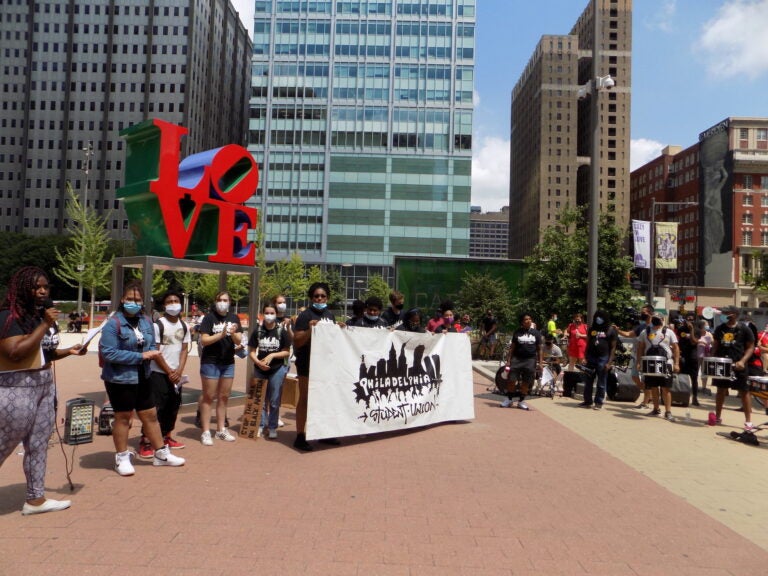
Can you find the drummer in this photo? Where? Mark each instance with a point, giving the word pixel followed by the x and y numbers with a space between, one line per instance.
pixel 734 340
pixel 659 340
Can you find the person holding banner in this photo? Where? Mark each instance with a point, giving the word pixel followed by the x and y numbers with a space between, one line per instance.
pixel 371 317
pixel 412 322
pixel 318 311
pixel 29 325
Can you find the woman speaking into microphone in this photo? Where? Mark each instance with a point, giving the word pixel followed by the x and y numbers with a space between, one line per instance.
pixel 28 327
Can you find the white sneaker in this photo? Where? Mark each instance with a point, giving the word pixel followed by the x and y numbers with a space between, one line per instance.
pixel 260 433
pixel 272 434
pixel 225 435
pixel 280 423
pixel 164 457
pixel 205 438
pixel 123 463
pixel 506 403
pixel 47 506
pixel 522 405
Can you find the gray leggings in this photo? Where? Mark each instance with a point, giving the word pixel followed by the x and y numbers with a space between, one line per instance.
pixel 26 415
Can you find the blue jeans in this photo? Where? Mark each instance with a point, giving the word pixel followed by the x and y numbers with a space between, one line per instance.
pixel 596 363
pixel 271 411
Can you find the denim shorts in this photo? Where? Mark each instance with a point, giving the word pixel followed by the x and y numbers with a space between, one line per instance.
pixel 216 371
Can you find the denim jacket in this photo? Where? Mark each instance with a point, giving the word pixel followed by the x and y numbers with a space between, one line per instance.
pixel 119 349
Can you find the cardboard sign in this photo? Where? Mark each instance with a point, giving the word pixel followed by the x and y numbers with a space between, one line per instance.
pixel 290 396
pixel 254 402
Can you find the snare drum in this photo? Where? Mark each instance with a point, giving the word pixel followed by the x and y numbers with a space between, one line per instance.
pixel 758 384
pixel 653 366
pixel 716 367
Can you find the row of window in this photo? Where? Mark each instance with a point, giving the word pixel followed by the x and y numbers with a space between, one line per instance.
pixel 355 70
pixel 465 8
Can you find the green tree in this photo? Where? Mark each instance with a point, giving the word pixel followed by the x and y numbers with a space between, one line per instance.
pixel 160 282
pixel 88 260
pixel 286 277
pixel 556 279
pixel 377 286
pixel 18 250
pixel 481 292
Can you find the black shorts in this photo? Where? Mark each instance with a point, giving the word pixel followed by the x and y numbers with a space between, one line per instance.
pixel 129 397
pixel 523 370
pixel 657 381
pixel 740 383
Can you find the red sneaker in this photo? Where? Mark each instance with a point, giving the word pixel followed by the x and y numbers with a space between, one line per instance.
pixel 171 443
pixel 145 450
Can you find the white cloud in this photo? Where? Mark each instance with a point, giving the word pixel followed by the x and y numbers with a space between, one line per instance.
pixel 732 42
pixel 490 173
pixel 642 151
pixel 245 9
pixel 662 18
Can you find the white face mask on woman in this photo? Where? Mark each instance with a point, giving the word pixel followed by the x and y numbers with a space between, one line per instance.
pixel 222 307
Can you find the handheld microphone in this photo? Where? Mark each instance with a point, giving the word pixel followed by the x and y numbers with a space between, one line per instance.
pixel 47 303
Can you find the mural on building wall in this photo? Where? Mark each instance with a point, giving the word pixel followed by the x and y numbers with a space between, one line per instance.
pixel 715 203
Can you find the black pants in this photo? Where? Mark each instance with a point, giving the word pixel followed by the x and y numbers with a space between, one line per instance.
pixel 167 400
pixel 690 366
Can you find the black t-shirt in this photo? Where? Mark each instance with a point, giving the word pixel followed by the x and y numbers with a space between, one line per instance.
pixel 268 341
pixel 488 323
pixel 391 316
pixel 222 351
pixel 302 323
pixel 527 343
pixel 600 340
pixel 685 342
pixel 732 341
pixel 49 343
pixel 363 322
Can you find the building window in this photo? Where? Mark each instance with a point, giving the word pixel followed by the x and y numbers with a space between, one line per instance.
pixel 763 238
pixel 746 218
pixel 747 201
pixel 762 138
pixel 748 182
pixel 746 238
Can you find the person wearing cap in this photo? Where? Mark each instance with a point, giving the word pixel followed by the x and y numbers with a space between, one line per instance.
pixel 734 340
pixel 689 360
pixel 658 340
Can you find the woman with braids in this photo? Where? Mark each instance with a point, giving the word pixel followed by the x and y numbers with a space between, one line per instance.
pixel 127 345
pixel 28 325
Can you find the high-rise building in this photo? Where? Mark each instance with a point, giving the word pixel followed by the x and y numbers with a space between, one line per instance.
pixel 76 73
pixel 489 233
pixel 717 192
pixel 551 134
pixel 361 123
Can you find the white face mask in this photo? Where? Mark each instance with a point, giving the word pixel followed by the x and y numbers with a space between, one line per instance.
pixel 222 307
pixel 173 309
pixel 282 307
pixel 269 317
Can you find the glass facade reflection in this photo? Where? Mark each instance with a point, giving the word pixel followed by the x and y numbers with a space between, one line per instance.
pixel 361 123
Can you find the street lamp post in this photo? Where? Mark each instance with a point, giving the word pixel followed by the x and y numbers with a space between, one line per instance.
pixel 346 288
pixel 652 263
pixel 80 267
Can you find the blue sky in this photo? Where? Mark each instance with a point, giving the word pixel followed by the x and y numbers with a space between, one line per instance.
pixel 695 62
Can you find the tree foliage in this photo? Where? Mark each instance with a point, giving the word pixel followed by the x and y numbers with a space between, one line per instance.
pixel 377 286
pixel 481 292
pixel 556 278
pixel 88 259
pixel 18 250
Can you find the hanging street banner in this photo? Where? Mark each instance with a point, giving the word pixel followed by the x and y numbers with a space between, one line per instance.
pixel 641 232
pixel 368 380
pixel 666 245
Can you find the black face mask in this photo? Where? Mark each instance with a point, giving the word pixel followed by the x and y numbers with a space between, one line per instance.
pixel 656 322
pixel 398 306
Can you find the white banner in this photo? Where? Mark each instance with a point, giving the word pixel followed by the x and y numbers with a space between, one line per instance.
pixel 666 245
pixel 641 232
pixel 367 380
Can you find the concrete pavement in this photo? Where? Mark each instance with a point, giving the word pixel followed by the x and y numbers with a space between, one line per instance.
pixel 558 490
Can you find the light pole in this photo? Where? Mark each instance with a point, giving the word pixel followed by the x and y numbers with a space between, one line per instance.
pixel 346 288
pixel 593 88
pixel 80 267
pixel 652 263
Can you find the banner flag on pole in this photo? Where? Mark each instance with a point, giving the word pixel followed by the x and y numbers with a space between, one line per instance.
pixel 666 245
pixel 641 232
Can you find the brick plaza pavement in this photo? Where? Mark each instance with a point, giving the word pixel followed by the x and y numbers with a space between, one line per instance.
pixel 554 491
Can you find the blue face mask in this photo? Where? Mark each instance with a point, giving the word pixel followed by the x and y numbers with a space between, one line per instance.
pixel 132 307
pixel 371 317
pixel 599 321
pixel 319 305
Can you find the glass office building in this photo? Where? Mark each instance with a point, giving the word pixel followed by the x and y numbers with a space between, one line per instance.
pixel 361 123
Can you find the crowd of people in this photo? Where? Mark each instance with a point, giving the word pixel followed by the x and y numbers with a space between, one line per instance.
pixel 659 352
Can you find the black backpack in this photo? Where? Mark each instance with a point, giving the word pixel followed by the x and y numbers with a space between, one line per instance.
pixel 656 349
